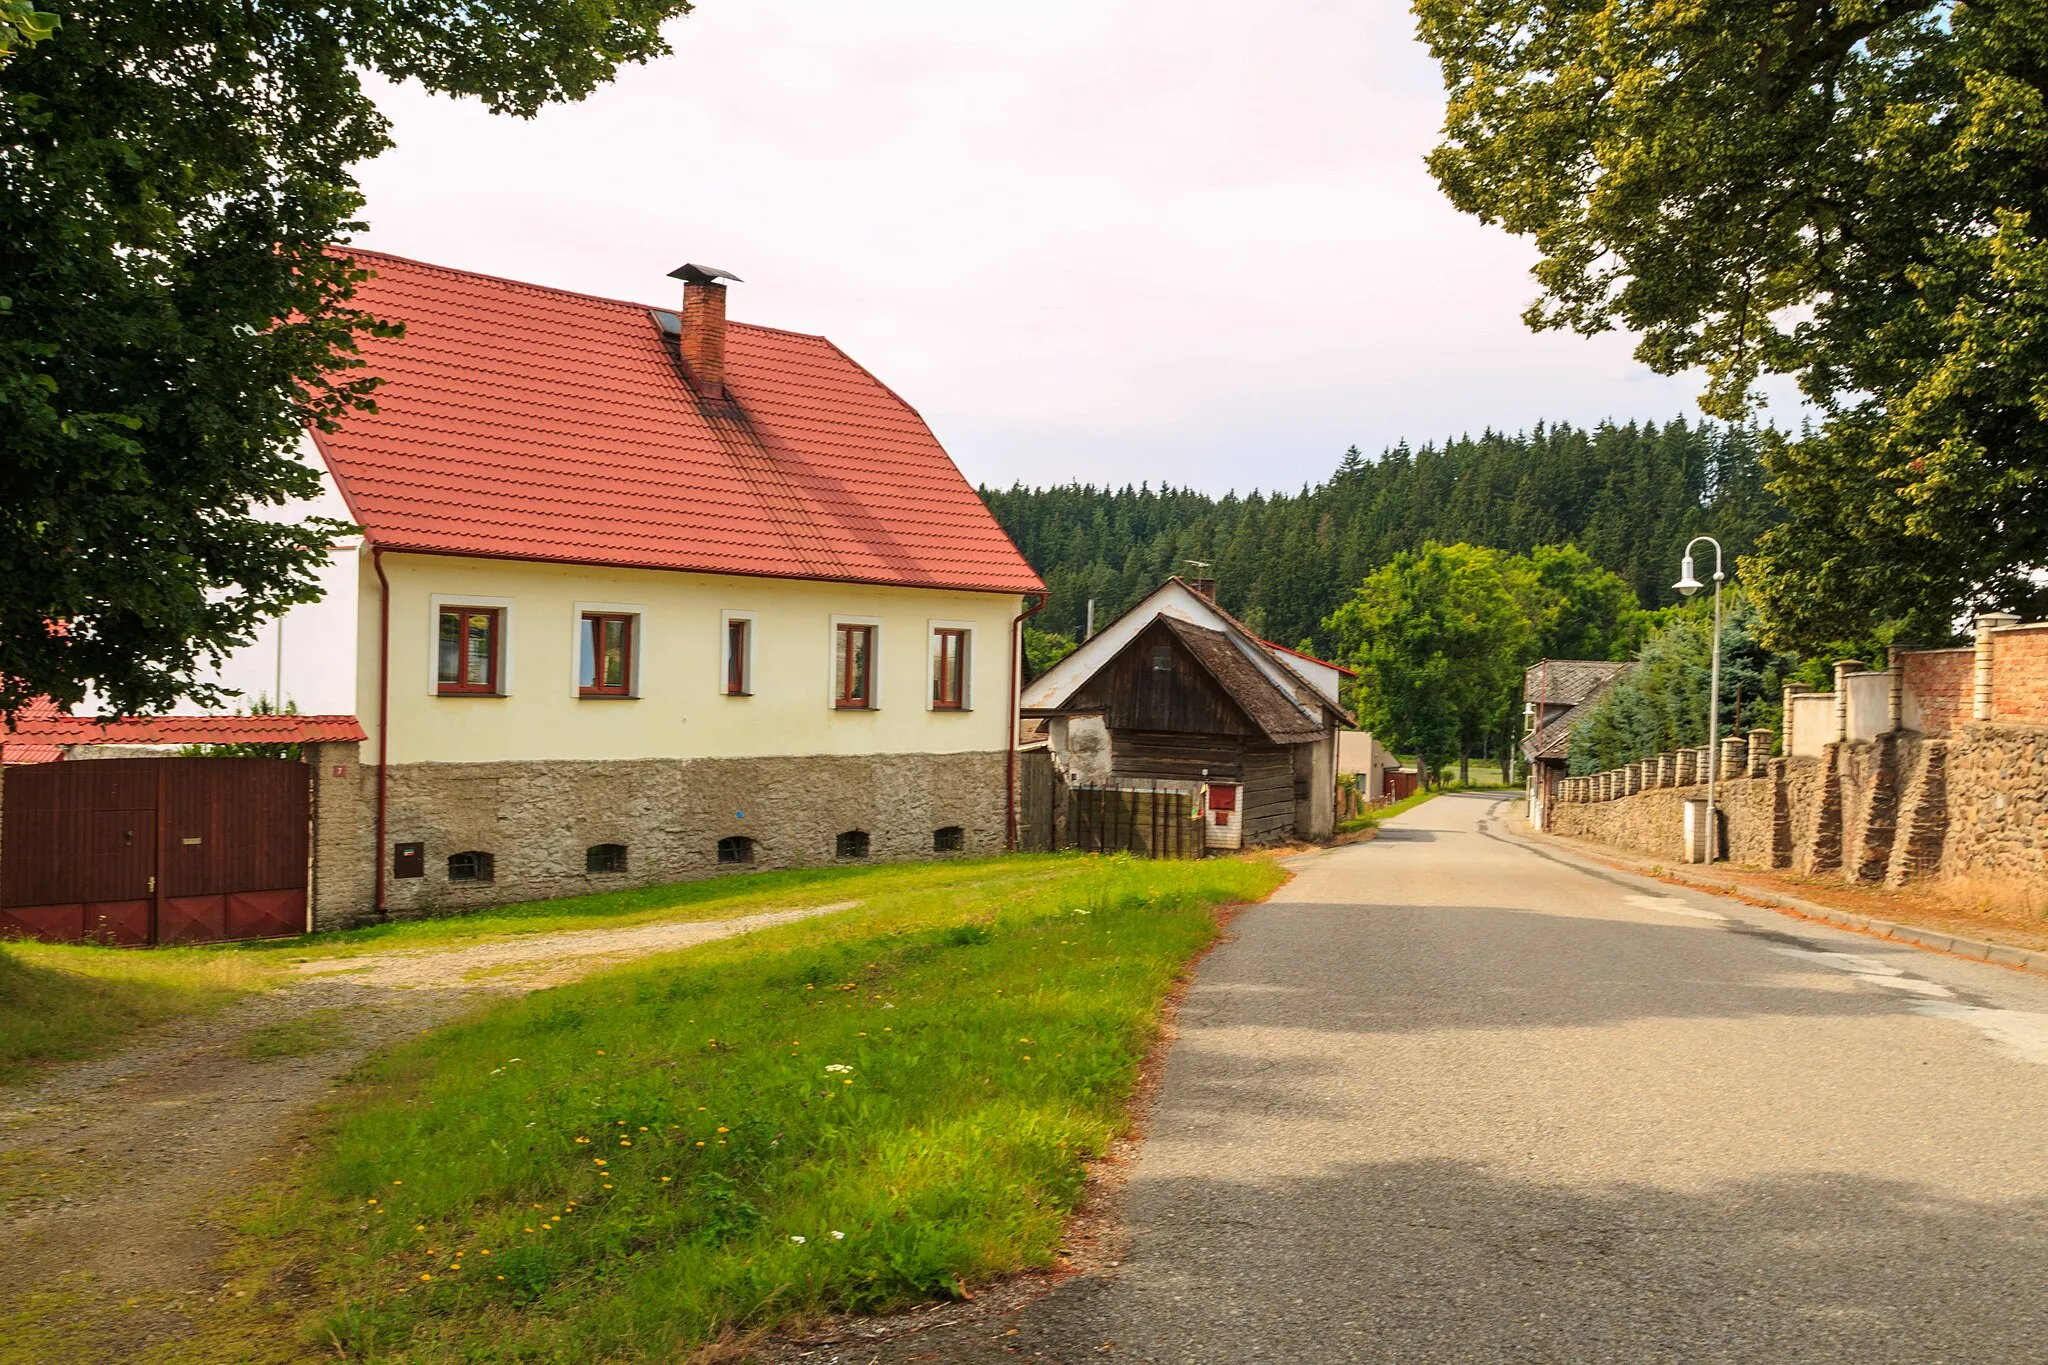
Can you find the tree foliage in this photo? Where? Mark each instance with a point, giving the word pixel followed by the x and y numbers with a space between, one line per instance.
pixel 173 176
pixel 1661 704
pixel 1628 496
pixel 1440 636
pixel 1852 193
pixel 21 23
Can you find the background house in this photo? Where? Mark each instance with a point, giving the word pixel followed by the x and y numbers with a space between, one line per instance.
pixel 1554 691
pixel 1176 692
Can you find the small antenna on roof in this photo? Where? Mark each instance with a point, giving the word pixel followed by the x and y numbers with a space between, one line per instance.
pixel 1201 582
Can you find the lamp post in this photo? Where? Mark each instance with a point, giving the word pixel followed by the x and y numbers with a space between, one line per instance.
pixel 1687 585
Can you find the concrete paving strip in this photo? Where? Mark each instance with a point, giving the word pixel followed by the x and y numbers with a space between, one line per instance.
pixel 508 963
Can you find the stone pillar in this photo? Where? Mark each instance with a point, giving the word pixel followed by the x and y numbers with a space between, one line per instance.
pixel 1980 694
pixel 1635 777
pixel 1759 752
pixel 1734 757
pixel 1684 774
pixel 1791 690
pixel 344 818
pixel 1843 668
pixel 1895 696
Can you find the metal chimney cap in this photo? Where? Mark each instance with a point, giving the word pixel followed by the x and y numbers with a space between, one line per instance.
pixel 703 274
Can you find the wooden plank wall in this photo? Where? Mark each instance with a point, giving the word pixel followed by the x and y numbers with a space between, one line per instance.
pixel 1268 792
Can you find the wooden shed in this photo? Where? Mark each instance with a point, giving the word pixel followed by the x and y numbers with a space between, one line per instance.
pixel 1178 692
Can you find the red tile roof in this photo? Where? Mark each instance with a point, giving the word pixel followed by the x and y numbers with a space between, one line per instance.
pixel 532 423
pixel 54 728
pixel 36 709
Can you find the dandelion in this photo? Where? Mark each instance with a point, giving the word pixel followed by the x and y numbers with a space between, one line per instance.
pixel 485 1252
pixel 700 1144
pixel 849 1082
pixel 419 1227
pixel 600 1052
pixel 798 1240
pixel 607 1187
pixel 725 1130
pixel 501 1277
pixel 398 1182
pixel 583 1139
pixel 425 1276
pixel 598 1160
pixel 664 1180
pixel 625 1142
pixel 373 1201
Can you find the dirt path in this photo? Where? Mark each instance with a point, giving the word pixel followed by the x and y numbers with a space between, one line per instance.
pixel 117 1175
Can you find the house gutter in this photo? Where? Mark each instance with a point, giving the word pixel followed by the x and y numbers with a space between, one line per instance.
pixel 383 715
pixel 1010 725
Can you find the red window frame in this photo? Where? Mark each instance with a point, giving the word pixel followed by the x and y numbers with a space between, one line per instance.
pixel 592 630
pixel 949 669
pixel 739 634
pixel 464 618
pixel 853 684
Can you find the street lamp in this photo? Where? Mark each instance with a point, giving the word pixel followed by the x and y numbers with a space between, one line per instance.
pixel 1687 585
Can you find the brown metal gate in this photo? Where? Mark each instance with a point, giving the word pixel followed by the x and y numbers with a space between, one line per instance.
pixel 153 850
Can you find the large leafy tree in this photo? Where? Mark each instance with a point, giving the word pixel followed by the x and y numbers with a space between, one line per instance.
pixel 1438 637
pixel 174 175
pixel 1854 192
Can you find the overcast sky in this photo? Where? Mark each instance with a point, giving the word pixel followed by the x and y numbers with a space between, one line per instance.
pixel 1112 240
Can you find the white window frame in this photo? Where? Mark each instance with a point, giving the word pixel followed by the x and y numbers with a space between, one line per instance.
pixel 875 669
pixel 635 652
pixel 725 620
pixel 440 600
pixel 931 677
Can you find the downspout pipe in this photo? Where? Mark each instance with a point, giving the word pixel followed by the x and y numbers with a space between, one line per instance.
pixel 1010 726
pixel 383 717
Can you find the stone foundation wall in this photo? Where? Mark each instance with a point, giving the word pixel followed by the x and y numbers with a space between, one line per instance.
pixel 1900 808
pixel 1998 805
pixel 537 820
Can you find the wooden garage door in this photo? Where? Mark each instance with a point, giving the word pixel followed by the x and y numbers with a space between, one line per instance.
pixel 154 850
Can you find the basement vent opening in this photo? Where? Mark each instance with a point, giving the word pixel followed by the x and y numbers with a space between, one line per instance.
pixel 736 849
pixel 853 844
pixel 471 867
pixel 605 858
pixel 951 839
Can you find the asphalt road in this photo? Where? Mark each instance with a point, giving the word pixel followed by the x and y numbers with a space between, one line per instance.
pixel 1449 1097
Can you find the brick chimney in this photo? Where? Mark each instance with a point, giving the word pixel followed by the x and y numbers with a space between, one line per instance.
pixel 703 328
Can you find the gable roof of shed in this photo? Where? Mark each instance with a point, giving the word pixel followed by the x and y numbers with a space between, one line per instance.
pixel 517 421
pixel 1574 683
pixel 1279 717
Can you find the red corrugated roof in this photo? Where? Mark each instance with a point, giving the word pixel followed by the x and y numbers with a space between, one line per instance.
pixel 56 728
pixel 533 423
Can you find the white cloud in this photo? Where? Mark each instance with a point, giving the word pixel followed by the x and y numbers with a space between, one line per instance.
pixel 1095 239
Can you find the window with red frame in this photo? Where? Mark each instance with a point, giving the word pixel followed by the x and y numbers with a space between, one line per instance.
pixel 604 665
pixel 737 654
pixel 853 668
pixel 949 670
pixel 471 641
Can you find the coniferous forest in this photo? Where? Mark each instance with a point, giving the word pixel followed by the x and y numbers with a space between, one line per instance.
pixel 1629 496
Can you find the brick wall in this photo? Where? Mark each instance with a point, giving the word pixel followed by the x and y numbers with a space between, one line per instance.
pixel 1937 688
pixel 2019 673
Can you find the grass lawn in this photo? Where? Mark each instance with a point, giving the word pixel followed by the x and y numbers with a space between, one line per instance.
pixel 1378 813
pixel 850 1112
pixel 64 1002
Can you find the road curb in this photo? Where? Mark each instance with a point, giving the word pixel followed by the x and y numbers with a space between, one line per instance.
pixel 1999 954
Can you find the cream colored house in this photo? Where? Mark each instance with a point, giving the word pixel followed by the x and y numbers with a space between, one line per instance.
pixel 640 596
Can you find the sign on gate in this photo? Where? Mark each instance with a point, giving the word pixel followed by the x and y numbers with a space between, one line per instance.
pixel 154 850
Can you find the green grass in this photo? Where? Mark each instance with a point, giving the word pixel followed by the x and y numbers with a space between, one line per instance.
pixel 714 898
pixel 67 1002
pixel 1371 818
pixel 626 1167
pixel 300 1036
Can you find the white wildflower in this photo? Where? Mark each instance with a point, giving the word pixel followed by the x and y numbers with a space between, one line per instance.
pixel 838 1068
pixel 838 1236
pixel 798 1240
